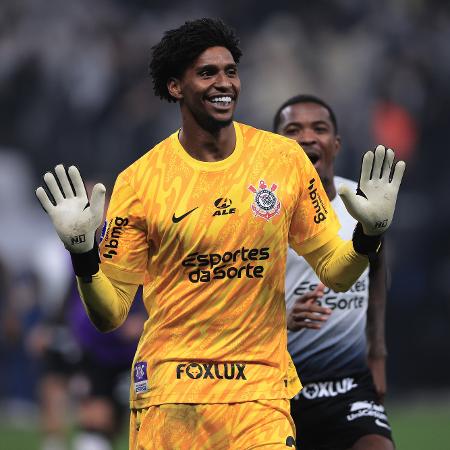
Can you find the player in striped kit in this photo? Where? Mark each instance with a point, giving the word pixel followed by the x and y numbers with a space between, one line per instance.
pixel 343 373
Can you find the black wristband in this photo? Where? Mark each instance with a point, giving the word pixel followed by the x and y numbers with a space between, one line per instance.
pixel 86 264
pixel 366 245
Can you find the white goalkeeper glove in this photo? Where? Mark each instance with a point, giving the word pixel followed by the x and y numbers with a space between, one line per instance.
pixel 75 218
pixel 374 207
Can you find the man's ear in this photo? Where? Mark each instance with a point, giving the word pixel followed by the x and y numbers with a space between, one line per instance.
pixel 174 88
pixel 337 144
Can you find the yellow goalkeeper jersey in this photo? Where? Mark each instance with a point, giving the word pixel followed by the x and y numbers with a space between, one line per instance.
pixel 208 241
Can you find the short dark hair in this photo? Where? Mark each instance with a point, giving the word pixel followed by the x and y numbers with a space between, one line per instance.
pixel 304 98
pixel 180 47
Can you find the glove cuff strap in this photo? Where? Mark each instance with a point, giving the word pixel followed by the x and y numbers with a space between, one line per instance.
pixel 363 244
pixel 86 264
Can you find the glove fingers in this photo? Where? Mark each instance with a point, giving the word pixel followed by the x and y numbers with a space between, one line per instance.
pixel 399 170
pixel 53 187
pixel 366 169
pixel 387 166
pixel 43 199
pixel 77 182
pixel 379 155
pixel 64 181
pixel 97 202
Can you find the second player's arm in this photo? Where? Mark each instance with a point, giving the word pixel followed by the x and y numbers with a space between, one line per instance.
pixel 377 306
pixel 376 322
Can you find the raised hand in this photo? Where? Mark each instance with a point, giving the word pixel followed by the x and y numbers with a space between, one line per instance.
pixel 374 204
pixel 75 218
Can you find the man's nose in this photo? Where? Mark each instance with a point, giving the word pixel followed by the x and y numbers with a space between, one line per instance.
pixel 222 80
pixel 307 136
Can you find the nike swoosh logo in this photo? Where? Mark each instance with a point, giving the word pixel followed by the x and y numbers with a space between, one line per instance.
pixel 177 219
pixel 382 424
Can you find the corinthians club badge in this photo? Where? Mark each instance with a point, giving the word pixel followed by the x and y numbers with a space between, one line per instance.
pixel 266 204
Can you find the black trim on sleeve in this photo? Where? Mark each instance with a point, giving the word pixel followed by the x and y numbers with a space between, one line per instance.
pixel 86 264
pixel 363 244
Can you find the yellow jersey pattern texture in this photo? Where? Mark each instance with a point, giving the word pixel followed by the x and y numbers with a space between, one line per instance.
pixel 221 426
pixel 208 241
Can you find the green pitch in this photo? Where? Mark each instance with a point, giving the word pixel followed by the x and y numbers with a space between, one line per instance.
pixel 420 427
pixel 416 427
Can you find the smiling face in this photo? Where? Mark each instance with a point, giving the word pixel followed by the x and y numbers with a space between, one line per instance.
pixel 208 89
pixel 311 126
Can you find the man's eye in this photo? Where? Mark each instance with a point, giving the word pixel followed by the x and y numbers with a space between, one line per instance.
pixel 320 130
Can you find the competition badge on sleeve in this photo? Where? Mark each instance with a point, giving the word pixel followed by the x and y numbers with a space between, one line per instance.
pixel 266 204
pixel 140 377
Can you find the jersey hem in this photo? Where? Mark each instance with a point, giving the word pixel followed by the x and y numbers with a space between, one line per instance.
pixel 239 397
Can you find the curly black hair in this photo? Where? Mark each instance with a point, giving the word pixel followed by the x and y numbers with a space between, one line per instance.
pixel 180 47
pixel 304 98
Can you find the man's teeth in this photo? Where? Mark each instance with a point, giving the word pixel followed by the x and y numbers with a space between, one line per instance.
pixel 221 100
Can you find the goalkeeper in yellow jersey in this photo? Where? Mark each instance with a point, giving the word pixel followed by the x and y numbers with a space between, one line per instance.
pixel 203 221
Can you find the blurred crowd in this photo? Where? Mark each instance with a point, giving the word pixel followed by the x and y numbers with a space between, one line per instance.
pixel 74 89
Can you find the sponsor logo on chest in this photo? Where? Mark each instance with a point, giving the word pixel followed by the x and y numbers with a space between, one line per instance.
pixel 354 298
pixel 238 264
pixel 223 207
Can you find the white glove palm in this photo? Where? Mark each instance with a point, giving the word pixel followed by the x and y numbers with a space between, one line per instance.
pixel 375 208
pixel 75 218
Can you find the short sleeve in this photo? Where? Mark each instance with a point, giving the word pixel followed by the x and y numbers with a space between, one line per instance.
pixel 124 244
pixel 314 221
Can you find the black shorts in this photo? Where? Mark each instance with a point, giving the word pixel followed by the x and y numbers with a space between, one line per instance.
pixel 103 381
pixel 334 414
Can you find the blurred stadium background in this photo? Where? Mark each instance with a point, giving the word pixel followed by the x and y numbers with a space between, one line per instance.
pixel 74 89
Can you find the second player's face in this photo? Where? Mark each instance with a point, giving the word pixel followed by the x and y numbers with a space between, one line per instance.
pixel 210 87
pixel 310 125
